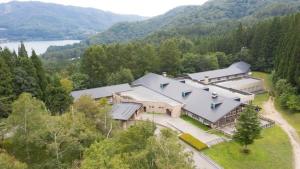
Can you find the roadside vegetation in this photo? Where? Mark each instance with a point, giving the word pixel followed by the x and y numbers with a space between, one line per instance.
pixel 262 97
pixel 195 122
pixel 266 77
pixel 192 141
pixel 292 117
pixel 272 150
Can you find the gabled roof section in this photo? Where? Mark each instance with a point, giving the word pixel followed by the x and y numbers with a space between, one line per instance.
pixel 198 101
pixel 124 111
pixel 101 92
pixel 235 68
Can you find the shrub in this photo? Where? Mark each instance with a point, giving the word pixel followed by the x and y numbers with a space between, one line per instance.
pixel 192 141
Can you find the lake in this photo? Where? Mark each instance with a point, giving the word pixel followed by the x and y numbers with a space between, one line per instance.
pixel 40 47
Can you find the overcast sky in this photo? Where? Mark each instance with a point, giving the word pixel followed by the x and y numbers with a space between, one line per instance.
pixel 139 7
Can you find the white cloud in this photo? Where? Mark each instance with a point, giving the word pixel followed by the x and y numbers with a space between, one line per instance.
pixel 140 7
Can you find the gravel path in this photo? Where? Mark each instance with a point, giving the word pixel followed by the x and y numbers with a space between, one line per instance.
pixel 272 113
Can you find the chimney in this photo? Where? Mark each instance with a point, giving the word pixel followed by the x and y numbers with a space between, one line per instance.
pixel 206 79
pixel 164 74
pixel 214 95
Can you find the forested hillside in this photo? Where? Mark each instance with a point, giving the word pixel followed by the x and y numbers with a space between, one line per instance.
pixel 44 21
pixel 213 18
pixel 269 46
pixel 198 17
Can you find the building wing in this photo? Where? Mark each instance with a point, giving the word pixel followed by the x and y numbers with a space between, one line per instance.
pixel 101 92
pixel 195 100
pixel 234 69
pixel 124 111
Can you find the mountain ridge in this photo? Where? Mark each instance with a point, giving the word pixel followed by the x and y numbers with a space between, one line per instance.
pixel 38 20
pixel 210 12
pixel 215 17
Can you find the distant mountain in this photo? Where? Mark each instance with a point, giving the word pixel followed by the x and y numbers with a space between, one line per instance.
pixel 203 17
pixel 215 17
pixel 36 20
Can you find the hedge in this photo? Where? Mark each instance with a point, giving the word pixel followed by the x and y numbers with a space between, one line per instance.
pixel 192 141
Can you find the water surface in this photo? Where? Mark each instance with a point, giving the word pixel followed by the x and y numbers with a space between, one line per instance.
pixel 40 47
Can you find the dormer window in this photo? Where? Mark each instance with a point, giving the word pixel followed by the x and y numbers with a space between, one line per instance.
pixel 186 93
pixel 206 89
pixel 237 99
pixel 163 85
pixel 215 105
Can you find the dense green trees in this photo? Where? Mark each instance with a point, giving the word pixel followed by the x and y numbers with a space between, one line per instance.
pixel 169 54
pixel 120 77
pixel 138 148
pixel 45 141
pixel 9 162
pixel 21 73
pixel 58 98
pixel 287 95
pixel 26 122
pixel 121 63
pixel 6 88
pixel 85 137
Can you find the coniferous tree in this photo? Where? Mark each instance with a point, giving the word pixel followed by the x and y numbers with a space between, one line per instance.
pixel 40 73
pixel 247 128
pixel 6 89
pixel 57 98
pixel 22 51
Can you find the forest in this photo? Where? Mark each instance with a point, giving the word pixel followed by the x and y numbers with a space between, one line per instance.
pixel 43 127
pixel 270 46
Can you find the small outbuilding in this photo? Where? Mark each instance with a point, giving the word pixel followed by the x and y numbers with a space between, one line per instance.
pixel 124 112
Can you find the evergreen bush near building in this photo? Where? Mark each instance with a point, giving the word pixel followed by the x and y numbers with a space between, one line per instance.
pixel 192 141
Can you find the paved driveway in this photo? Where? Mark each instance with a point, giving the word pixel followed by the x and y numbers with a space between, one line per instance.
pixel 200 160
pixel 183 126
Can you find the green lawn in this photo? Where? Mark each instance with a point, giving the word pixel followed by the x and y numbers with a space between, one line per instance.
pixel 273 151
pixel 267 79
pixel 194 122
pixel 218 133
pixel 260 99
pixel 263 97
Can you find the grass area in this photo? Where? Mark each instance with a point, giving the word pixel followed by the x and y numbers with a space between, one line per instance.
pixel 273 150
pixel 260 99
pixel 192 141
pixel 293 118
pixel 195 122
pixel 218 133
pixel 267 79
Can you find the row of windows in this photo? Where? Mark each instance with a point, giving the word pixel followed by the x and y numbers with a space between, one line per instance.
pixel 158 107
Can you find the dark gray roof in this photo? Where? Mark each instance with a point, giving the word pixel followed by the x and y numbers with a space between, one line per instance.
pixel 123 111
pixel 101 92
pixel 235 68
pixel 198 101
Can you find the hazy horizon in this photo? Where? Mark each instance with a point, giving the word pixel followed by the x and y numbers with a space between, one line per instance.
pixel 135 7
